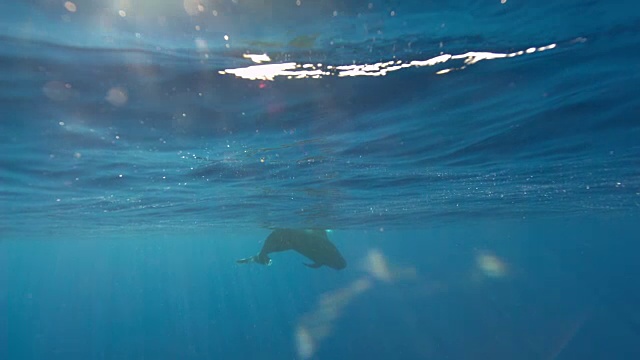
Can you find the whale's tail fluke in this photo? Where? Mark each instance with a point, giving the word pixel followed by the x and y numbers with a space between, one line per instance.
pixel 260 259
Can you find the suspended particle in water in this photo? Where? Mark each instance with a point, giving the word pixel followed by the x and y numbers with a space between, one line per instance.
pixel 57 90
pixel 117 96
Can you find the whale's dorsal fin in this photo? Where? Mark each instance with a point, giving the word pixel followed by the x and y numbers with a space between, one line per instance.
pixel 313 266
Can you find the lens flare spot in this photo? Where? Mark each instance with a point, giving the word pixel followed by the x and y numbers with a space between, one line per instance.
pixel 71 7
pixel 491 265
pixel 192 7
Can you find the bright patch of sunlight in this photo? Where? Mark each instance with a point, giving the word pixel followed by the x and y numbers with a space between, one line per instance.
pixel 292 70
pixel 257 58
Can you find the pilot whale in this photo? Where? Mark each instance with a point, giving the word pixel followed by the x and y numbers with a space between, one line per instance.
pixel 314 244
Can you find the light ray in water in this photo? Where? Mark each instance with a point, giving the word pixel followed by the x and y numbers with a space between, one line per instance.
pixel 316 325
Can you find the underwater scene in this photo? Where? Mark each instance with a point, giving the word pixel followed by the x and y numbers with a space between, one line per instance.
pixel 319 179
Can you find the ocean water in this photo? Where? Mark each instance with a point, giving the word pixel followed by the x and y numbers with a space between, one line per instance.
pixel 476 162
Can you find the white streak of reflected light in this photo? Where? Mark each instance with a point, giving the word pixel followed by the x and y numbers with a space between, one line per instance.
pixel 294 70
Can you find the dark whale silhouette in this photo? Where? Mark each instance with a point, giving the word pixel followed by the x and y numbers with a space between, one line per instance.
pixel 314 244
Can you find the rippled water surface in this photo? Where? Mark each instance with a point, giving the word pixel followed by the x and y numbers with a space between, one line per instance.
pixel 136 114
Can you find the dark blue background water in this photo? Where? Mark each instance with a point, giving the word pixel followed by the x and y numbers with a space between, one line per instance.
pixel 487 204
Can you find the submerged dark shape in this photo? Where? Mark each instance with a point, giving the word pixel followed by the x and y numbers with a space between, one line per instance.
pixel 313 244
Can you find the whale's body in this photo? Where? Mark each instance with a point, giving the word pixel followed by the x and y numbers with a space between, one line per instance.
pixel 313 244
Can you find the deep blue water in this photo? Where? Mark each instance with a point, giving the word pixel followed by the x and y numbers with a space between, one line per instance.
pixel 478 163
